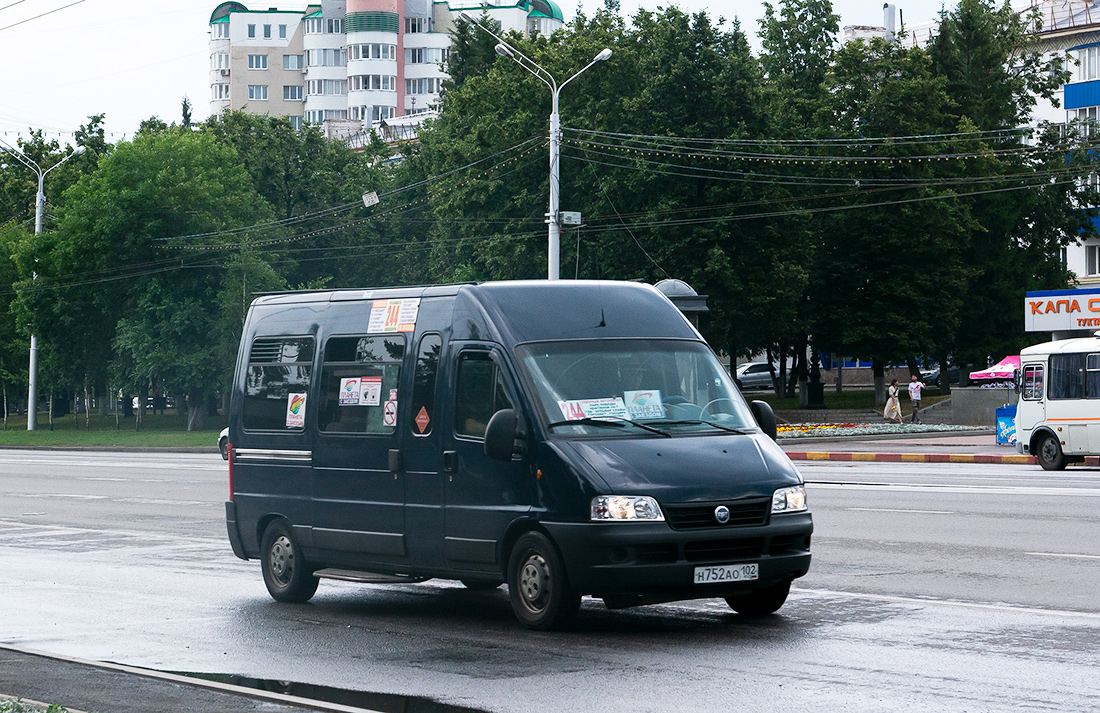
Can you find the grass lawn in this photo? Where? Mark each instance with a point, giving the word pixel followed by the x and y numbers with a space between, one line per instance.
pixel 849 399
pixel 160 431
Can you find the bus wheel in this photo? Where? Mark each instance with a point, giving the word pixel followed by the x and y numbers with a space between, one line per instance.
pixel 1050 454
pixel 286 573
pixel 541 596
pixel 761 601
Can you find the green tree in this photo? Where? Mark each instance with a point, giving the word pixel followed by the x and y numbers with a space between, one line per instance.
pixel 107 279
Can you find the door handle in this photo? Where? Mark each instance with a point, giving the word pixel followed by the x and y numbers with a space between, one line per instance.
pixel 450 461
pixel 395 461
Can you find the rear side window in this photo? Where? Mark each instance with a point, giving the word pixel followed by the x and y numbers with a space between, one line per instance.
pixel 277 383
pixel 423 397
pixel 359 379
pixel 479 393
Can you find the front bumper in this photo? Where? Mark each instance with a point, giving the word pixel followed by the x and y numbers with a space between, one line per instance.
pixel 652 559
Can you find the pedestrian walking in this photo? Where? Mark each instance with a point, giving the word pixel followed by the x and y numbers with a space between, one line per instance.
pixel 893 405
pixel 915 388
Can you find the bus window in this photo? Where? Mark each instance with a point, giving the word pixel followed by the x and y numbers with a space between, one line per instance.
pixel 1033 383
pixel 1067 376
pixel 1092 376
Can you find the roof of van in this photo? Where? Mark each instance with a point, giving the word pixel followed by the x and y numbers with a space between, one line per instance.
pixel 1063 346
pixel 534 310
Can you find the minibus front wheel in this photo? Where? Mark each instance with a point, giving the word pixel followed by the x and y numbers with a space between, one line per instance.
pixel 1050 454
pixel 286 573
pixel 537 585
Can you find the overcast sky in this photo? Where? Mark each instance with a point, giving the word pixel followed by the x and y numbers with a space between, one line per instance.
pixel 132 60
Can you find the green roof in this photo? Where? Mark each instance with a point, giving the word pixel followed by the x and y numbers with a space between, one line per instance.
pixel 544 8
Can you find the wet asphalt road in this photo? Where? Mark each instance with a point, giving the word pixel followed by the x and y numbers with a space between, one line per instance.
pixel 934 587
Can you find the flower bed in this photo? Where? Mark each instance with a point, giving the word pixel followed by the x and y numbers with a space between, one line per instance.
pixel 820 430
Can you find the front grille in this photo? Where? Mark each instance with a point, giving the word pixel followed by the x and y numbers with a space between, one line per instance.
pixel 724 550
pixel 743 513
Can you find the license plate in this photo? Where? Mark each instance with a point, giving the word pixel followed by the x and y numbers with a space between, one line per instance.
pixel 727 573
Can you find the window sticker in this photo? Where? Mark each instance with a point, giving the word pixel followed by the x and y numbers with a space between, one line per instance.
pixel 593 408
pixel 370 393
pixel 397 315
pixel 422 419
pixel 644 404
pixel 393 395
pixel 349 391
pixel 389 414
pixel 295 410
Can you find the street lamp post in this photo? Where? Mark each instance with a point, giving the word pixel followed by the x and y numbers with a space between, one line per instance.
pixel 39 206
pixel 552 217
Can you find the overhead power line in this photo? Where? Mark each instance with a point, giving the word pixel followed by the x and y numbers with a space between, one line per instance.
pixel 22 22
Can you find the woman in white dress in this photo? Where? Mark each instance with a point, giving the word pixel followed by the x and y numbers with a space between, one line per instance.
pixel 893 405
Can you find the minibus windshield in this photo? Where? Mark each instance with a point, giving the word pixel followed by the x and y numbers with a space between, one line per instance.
pixel 641 385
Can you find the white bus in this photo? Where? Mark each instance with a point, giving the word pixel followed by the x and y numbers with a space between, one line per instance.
pixel 1058 415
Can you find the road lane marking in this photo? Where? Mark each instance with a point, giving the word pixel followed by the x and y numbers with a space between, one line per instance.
pixel 954 603
pixel 1064 554
pixel 929 512
pixel 960 489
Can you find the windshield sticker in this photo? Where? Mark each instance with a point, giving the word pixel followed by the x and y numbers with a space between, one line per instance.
pixel 370 394
pixel 399 315
pixel 644 404
pixel 593 408
pixel 349 391
pixel 295 410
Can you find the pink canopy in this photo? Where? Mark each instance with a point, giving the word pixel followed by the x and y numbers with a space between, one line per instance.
pixel 1002 370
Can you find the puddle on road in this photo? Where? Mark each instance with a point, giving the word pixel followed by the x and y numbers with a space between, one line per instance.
pixel 381 702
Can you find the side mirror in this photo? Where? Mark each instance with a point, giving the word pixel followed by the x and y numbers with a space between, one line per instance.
pixel 1017 380
pixel 501 435
pixel 765 418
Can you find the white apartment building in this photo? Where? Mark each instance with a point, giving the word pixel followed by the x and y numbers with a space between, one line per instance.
pixel 351 61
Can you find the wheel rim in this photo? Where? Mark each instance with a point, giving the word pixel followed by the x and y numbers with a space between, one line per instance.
pixel 534 583
pixel 281 559
pixel 1049 450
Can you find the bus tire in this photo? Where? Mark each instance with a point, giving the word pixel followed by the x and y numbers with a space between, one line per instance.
pixel 287 574
pixel 760 602
pixel 1049 453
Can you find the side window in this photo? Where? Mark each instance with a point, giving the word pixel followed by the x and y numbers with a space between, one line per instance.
pixel 359 379
pixel 277 384
pixel 1067 376
pixel 1092 376
pixel 479 393
pixel 423 396
pixel 1033 383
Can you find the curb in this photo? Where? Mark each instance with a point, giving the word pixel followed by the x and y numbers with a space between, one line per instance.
pixel 924 458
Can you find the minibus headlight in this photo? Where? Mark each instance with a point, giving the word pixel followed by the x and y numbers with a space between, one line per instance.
pixel 790 499
pixel 626 507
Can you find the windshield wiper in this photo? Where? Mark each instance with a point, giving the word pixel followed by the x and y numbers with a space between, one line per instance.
pixel 613 421
pixel 702 422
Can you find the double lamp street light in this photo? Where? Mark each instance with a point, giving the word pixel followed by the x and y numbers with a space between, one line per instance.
pixel 39 206
pixel 553 218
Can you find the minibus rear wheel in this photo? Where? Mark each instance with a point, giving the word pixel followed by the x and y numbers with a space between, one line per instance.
pixel 1050 454
pixel 761 602
pixel 286 573
pixel 541 596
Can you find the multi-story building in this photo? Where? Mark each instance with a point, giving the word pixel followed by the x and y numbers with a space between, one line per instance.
pixel 355 60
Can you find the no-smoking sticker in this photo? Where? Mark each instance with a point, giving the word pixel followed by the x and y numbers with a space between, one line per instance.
pixel 389 414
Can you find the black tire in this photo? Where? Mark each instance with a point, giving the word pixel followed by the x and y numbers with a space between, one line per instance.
pixel 1049 453
pixel 479 585
pixel 223 447
pixel 761 602
pixel 287 574
pixel 537 585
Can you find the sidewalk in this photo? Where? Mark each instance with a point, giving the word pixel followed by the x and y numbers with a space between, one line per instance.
pixel 916 448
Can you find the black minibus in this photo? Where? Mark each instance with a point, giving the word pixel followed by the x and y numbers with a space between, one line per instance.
pixel 565 438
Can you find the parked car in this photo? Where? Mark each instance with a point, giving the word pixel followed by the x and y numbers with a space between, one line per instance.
pixel 223 443
pixel 755 375
pixel 932 376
